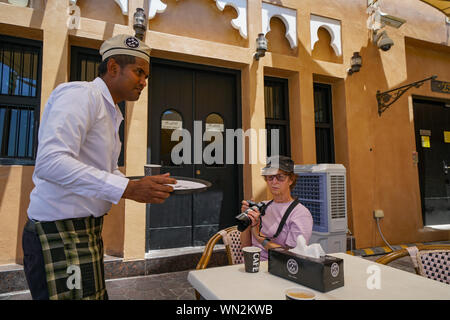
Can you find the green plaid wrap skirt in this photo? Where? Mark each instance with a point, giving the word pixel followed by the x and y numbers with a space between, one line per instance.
pixel 73 257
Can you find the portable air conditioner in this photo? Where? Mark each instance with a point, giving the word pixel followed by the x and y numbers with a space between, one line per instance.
pixel 322 189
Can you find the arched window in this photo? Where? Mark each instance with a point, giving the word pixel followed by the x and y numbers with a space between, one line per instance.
pixel 214 144
pixel 171 120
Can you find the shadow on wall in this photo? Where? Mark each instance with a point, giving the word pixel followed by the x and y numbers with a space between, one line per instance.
pixel 323 50
pixel 277 41
pixel 362 117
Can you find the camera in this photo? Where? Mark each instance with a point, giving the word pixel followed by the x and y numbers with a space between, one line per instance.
pixel 243 221
pixel 383 41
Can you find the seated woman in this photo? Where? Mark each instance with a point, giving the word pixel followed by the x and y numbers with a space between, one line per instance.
pixel 262 232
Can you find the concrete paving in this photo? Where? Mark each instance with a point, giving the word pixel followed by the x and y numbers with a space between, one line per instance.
pixel 166 286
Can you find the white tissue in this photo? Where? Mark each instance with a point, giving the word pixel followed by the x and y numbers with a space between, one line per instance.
pixel 313 250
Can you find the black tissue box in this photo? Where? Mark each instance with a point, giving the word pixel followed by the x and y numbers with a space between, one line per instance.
pixel 322 274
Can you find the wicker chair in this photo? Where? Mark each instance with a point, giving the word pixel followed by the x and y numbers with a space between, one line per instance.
pixel 431 261
pixel 232 241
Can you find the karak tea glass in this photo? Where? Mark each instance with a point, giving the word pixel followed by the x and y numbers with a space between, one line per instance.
pixel 299 293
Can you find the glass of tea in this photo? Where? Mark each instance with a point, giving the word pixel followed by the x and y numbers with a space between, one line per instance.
pixel 298 293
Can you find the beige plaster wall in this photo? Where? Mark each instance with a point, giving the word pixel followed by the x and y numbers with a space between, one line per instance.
pixel 15 188
pixel 105 10
pixel 376 150
pixel 182 18
pixel 382 172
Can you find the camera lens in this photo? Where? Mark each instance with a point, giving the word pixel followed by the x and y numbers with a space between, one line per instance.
pixel 243 217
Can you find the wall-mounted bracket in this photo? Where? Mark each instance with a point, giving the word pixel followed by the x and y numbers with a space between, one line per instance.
pixel 387 98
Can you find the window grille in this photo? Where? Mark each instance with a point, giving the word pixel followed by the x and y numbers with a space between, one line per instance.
pixel 277 113
pixel 20 81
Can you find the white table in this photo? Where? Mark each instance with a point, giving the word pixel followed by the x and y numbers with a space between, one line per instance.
pixel 233 283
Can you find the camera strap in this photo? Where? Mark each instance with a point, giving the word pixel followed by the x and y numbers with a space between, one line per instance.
pixel 263 209
pixel 285 216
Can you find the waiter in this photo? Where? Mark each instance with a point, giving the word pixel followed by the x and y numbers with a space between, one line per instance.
pixel 77 178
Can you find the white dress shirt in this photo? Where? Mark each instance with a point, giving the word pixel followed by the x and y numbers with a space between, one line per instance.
pixel 76 173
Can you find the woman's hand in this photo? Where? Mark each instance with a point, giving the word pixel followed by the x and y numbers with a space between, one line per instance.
pixel 245 205
pixel 252 214
pixel 254 217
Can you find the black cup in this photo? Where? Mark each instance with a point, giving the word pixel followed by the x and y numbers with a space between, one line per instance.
pixel 152 169
pixel 251 259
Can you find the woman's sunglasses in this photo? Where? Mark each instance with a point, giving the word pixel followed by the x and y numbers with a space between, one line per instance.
pixel 280 177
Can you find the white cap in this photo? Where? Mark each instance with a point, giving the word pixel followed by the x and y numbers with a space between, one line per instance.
pixel 125 44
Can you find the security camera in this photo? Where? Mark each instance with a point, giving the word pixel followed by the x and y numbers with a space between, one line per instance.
pixel 385 43
pixel 382 40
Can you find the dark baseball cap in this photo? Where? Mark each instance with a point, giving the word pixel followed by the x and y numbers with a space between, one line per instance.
pixel 276 163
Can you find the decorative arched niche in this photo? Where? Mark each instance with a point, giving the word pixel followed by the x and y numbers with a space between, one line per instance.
pixel 332 26
pixel 287 15
pixel 156 6
pixel 239 23
pixel 123 4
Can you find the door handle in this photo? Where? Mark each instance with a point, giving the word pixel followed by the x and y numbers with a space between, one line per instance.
pixel 446 167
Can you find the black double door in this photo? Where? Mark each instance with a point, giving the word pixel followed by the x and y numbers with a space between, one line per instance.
pixel 204 102
pixel 432 129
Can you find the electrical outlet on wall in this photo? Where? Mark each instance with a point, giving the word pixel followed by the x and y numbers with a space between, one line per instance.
pixel 378 213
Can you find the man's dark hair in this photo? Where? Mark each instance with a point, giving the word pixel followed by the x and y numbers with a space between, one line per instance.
pixel 121 59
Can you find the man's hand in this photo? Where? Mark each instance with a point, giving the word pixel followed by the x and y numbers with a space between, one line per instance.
pixel 150 189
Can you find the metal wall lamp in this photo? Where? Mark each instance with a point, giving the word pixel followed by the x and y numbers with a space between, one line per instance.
pixel 355 63
pixel 387 98
pixel 261 46
pixel 140 23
